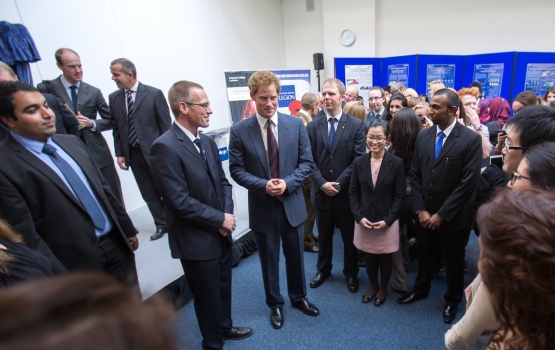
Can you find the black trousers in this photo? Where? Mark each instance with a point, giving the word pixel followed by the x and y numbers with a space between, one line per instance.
pixel 210 282
pixel 111 176
pixel 149 192
pixel 117 259
pixel 452 243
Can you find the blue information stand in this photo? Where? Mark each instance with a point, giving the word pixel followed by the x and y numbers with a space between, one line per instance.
pixel 393 68
pixel 494 71
pixel 449 69
pixel 376 63
pixel 539 66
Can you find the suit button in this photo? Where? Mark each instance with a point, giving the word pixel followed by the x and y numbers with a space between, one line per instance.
pixel 93 240
pixel 331 157
pixel 431 185
pixel 331 170
pixel 433 170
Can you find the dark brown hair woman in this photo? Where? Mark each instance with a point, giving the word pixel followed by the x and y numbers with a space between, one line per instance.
pixel 517 264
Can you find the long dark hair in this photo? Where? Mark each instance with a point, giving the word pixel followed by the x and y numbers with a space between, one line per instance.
pixel 404 128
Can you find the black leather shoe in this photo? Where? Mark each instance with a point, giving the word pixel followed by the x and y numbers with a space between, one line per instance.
pixel 368 298
pixel 313 249
pixel 449 313
pixel 158 234
pixel 305 306
pixel 352 284
pixel 236 333
pixel 276 318
pixel 410 298
pixel 318 279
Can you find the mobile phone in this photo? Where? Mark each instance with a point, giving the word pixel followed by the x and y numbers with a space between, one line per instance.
pixel 422 119
pixel 496 160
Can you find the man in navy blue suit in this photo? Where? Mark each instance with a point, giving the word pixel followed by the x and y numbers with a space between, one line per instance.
pixel 188 173
pixel 270 156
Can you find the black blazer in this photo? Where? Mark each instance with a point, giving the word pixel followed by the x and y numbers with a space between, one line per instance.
pixel 444 186
pixel 196 195
pixel 384 201
pixel 39 205
pixel 348 144
pixel 151 119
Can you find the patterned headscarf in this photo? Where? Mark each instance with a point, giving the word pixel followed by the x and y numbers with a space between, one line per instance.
pixel 499 112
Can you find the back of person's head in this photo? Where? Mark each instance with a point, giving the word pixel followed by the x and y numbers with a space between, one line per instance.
pixel 309 100
pixel 7 90
pixel 541 165
pixel 413 101
pixel 435 86
pixel 397 87
pixel 4 67
pixel 355 109
pixel 424 98
pixel 527 98
pixel 387 89
pixel 499 107
pixel 82 312
pixel 477 85
pixel 517 264
pixel 404 128
pixel 534 124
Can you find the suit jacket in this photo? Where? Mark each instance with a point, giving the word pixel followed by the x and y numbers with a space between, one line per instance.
pixel 371 116
pixel 151 119
pixel 196 194
pixel 89 102
pixel 39 205
pixel 248 165
pixel 66 123
pixel 444 185
pixel 4 131
pixel 380 202
pixel 335 165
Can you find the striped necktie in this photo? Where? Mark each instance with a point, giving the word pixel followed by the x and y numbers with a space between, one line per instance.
pixel 132 134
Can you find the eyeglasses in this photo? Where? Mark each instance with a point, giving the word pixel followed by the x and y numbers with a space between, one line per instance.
pixel 374 98
pixel 376 139
pixel 508 148
pixel 203 105
pixel 517 176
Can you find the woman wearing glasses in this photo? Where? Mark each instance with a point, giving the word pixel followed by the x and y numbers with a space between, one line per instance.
pixel 376 195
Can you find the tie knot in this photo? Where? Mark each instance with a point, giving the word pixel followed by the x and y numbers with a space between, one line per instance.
pixel 73 87
pixel 332 121
pixel 441 134
pixel 48 149
pixel 129 92
pixel 197 142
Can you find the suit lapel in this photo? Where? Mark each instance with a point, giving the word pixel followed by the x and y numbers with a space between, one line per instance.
pixel 40 166
pixel 139 96
pixel 83 95
pixel 341 125
pixel 258 144
pixel 284 131
pixel 449 142
pixel 385 168
pixel 61 91
pixel 367 171
pixel 324 131
pixel 430 141
pixel 188 145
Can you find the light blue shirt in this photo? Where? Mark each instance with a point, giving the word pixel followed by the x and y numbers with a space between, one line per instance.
pixel 35 147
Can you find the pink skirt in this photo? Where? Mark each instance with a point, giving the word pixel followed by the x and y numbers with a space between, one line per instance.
pixel 375 241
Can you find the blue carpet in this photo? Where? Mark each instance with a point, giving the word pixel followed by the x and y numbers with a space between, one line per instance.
pixel 344 322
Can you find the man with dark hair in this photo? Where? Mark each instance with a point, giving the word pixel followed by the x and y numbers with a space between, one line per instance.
pixel 85 102
pixel 141 115
pixel 66 123
pixel 269 155
pixel 310 103
pixel 53 194
pixel 192 182
pixel 444 173
pixel 336 140
pixel 376 100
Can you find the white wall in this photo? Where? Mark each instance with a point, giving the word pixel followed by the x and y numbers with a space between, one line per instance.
pixel 168 40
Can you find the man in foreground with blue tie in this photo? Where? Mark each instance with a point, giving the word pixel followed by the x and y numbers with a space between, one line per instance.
pixel 54 195
pixel 444 172
pixel 192 182
pixel 269 155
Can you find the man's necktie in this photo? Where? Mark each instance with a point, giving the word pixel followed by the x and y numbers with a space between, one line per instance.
pixel 79 188
pixel 439 143
pixel 73 89
pixel 201 150
pixel 378 116
pixel 132 134
pixel 332 133
pixel 273 152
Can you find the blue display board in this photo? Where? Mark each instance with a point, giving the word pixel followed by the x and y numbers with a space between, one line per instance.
pixel 534 71
pixel 494 71
pixel 343 63
pixel 448 69
pixel 400 68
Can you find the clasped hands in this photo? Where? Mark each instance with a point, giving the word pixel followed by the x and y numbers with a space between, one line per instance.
pixel 275 187
pixel 228 225
pixel 364 222
pixel 331 188
pixel 431 222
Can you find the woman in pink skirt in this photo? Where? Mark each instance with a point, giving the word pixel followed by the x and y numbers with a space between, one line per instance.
pixel 376 194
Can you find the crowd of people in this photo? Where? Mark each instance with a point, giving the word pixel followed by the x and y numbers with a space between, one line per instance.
pixel 409 168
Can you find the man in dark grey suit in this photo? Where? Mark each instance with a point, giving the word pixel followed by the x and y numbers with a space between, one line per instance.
pixel 269 155
pixel 85 102
pixel 141 115
pixel 198 197
pixel 445 170
pixel 336 140
pixel 54 195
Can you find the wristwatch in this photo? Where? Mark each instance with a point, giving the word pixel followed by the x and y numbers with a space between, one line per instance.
pixel 480 127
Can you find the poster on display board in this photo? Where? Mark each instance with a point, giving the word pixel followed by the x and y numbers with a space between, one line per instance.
pixel 398 73
pixel 440 72
pixel 539 77
pixel 359 76
pixel 491 78
pixel 294 84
